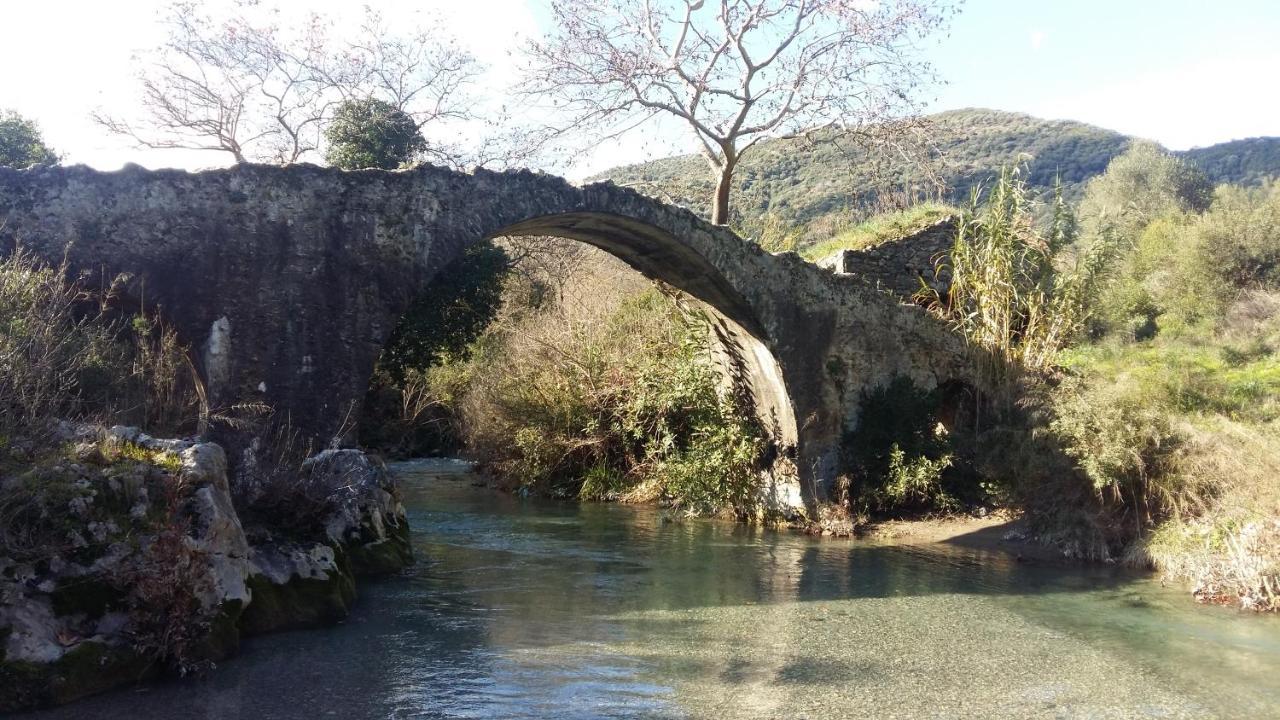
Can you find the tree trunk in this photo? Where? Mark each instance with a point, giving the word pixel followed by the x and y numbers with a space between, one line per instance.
pixel 720 204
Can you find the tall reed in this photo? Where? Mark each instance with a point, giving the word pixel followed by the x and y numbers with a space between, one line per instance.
pixel 1007 295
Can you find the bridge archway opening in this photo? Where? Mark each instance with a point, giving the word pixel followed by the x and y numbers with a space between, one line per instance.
pixel 657 255
pixel 739 342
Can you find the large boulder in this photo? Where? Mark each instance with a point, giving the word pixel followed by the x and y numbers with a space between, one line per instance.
pixel 367 519
pixel 150 523
pixel 307 582
pixel 68 615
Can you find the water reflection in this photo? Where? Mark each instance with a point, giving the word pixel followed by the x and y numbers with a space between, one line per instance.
pixel 522 608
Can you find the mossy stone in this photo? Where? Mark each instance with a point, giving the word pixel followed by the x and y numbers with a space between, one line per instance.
pixel 223 638
pixel 382 557
pixel 87 669
pixel 301 602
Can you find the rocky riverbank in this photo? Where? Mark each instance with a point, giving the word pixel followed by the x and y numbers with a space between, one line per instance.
pixel 136 563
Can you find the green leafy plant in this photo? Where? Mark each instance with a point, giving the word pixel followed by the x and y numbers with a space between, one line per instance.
pixel 21 142
pixel 623 404
pixel 371 133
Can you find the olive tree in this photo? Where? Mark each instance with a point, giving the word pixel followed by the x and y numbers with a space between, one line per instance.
pixel 735 72
pixel 1143 184
pixel 21 143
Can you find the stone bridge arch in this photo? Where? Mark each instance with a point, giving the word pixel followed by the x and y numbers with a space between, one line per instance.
pixel 287 282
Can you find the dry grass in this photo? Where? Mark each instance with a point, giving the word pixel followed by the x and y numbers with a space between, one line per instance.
pixel 1226 545
pixel 880 229
pixel 65 353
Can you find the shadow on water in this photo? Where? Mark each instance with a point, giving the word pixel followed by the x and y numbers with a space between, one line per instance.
pixel 530 608
pixel 610 556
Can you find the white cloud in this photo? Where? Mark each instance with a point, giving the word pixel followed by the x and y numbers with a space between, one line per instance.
pixel 1037 39
pixel 1190 105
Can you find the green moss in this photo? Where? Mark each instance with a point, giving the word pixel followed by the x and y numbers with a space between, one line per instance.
pixel 129 452
pixel 300 603
pixel 881 229
pixel 223 639
pixel 382 557
pixel 87 669
pixel 22 686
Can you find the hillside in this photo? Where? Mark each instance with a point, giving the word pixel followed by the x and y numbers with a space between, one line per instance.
pixel 801 181
pixel 1245 162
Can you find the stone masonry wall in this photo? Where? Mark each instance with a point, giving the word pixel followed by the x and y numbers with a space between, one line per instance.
pixel 900 266
pixel 286 282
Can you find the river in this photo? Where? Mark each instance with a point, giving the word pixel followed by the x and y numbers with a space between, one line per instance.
pixel 528 608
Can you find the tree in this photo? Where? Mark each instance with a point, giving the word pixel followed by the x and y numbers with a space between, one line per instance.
pixel 450 313
pixel 247 86
pixel 372 134
pixel 1144 205
pixel 735 71
pixel 1139 186
pixel 21 143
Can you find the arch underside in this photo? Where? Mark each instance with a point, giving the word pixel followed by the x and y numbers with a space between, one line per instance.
pixel 740 338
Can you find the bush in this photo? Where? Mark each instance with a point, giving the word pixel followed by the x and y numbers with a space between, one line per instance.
pixel 44 348
pixel 901 453
pixel 916 482
pixel 1182 271
pixel 404 412
pixel 600 389
pixel 1137 187
pixel 1240 236
pixel 1228 547
pixel 1177 436
pixel 64 354
pixel 1121 438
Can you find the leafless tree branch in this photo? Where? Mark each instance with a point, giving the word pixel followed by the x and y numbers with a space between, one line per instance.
pixel 734 71
pixel 245 85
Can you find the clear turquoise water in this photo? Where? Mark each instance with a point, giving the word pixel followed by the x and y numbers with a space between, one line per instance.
pixel 524 608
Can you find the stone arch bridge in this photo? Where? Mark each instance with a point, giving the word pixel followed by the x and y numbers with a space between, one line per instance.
pixel 286 282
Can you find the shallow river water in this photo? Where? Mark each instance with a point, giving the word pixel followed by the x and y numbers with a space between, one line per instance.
pixel 525 608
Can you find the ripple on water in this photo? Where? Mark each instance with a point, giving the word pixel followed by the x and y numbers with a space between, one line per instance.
pixel 532 609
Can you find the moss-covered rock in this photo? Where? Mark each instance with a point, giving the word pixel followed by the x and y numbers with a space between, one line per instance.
pixel 318 590
pixel 86 669
pixel 223 639
pixel 70 622
pixel 383 556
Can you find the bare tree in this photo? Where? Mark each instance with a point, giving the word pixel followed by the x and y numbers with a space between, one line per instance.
pixel 424 74
pixel 734 71
pixel 244 85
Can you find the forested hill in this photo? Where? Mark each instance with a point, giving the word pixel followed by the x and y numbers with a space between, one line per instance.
pixel 801 181
pixel 1245 162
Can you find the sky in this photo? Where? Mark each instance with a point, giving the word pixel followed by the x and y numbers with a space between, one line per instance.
pixel 1184 73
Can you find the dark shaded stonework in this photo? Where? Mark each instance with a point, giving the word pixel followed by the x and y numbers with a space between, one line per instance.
pixel 286 282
